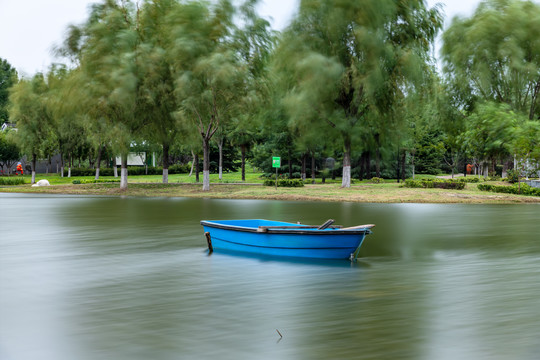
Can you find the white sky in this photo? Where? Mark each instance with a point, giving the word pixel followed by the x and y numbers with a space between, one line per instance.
pixel 29 29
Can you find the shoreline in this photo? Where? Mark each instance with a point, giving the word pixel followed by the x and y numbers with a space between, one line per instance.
pixel 365 193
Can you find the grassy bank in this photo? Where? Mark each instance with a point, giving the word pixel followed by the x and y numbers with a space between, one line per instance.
pixel 231 188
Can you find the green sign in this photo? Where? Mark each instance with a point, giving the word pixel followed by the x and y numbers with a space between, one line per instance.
pixel 276 162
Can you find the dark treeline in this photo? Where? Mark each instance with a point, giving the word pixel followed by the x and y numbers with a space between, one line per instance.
pixel 348 89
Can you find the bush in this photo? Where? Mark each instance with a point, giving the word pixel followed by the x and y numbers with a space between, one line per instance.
pixel 469 179
pixel 376 180
pixel 179 169
pixel 514 189
pixel 11 181
pixel 512 176
pixel 410 183
pixel 284 183
pixel 435 183
pixel 91 172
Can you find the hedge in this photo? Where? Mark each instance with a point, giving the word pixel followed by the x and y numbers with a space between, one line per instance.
pixel 11 180
pixel 93 181
pixel 514 189
pixel 435 183
pixel 132 170
pixel 469 179
pixel 284 182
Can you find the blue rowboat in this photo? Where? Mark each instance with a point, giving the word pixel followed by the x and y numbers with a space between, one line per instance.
pixel 277 238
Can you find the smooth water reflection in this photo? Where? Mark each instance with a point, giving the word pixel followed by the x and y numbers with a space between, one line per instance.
pixel 128 278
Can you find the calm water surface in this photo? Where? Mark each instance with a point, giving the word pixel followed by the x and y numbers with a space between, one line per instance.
pixel 129 278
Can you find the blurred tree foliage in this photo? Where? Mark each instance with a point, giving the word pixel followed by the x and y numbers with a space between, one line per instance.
pixel 8 77
pixel 350 81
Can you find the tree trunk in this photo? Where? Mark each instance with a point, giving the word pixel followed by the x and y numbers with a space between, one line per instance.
pixel 34 159
pixel 303 173
pixel 124 172
pixel 206 164
pixel 403 164
pixel 346 177
pixel 197 170
pixel 377 157
pixel 165 163
pixel 98 162
pixel 192 163
pixel 243 149
pixel 115 168
pixel 220 165
pixel 398 167
pixel 70 165
pixel 61 165
pixel 534 98
pixel 313 167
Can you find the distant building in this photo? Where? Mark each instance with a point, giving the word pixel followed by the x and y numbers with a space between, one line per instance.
pixel 138 159
pixel 6 126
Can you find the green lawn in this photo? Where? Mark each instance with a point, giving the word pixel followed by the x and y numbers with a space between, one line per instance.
pixel 182 185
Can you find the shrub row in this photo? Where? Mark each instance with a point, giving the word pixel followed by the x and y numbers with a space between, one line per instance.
pixel 11 180
pixel 132 170
pixel 284 182
pixel 435 183
pixel 514 189
pixel 93 181
pixel 469 179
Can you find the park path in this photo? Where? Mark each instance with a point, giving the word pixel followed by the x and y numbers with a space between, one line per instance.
pixel 450 176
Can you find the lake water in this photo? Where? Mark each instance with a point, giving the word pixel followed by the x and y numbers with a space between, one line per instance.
pixel 130 278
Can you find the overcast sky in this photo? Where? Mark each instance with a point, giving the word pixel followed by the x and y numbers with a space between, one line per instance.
pixel 29 29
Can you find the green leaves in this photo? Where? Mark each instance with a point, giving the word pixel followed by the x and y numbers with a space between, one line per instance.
pixel 8 77
pixel 495 54
pixel 490 130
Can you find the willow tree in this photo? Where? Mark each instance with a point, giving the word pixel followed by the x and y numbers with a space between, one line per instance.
pixel 8 77
pixel 351 60
pixel 10 151
pixel 488 134
pixel 108 59
pixel 253 43
pixel 525 145
pixel 494 55
pixel 78 96
pixel 30 111
pixel 157 101
pixel 209 72
pixel 67 116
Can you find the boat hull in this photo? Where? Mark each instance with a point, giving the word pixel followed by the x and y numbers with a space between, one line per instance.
pixel 273 240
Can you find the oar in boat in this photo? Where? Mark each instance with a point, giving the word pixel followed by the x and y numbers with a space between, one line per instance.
pixel 367 226
pixel 321 227
pixel 326 224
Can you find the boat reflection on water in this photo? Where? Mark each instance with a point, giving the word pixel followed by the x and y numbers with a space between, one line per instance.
pixel 288 260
